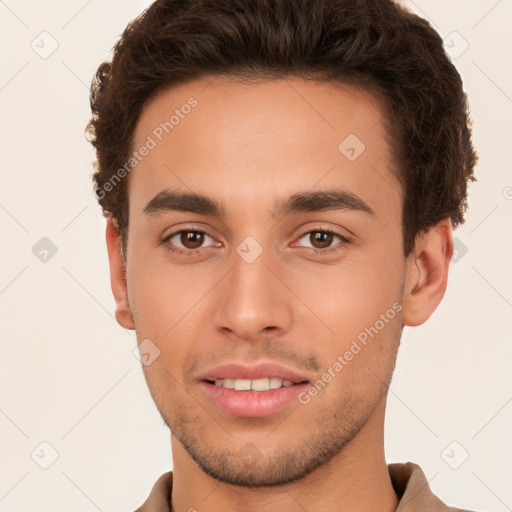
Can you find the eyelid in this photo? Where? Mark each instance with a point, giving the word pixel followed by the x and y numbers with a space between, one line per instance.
pixel 343 233
pixel 188 227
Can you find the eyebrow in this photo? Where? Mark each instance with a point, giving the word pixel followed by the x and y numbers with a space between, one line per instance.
pixel 333 199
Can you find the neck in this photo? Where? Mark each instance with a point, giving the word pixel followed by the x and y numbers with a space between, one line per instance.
pixel 356 478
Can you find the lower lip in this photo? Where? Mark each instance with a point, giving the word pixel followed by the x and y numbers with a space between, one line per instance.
pixel 252 404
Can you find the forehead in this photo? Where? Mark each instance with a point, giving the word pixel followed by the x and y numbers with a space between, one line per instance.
pixel 249 141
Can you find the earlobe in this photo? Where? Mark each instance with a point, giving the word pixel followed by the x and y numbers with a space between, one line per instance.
pixel 118 276
pixel 427 273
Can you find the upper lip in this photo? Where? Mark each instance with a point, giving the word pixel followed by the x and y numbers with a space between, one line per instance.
pixel 251 372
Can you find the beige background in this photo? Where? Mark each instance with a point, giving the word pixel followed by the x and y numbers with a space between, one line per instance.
pixel 68 374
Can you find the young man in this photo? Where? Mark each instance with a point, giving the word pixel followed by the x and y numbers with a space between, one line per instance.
pixel 280 180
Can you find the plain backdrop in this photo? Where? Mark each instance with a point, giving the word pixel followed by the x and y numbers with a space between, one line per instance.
pixel 72 393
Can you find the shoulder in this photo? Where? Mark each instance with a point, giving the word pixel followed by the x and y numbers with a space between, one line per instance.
pixel 413 490
pixel 160 495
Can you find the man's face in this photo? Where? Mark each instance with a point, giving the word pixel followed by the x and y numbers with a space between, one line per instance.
pixel 262 286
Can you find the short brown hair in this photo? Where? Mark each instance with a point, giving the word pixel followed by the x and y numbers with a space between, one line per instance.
pixel 374 44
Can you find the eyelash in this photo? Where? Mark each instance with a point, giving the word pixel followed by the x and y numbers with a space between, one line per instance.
pixel 194 252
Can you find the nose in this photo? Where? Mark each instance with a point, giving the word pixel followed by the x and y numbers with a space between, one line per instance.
pixel 252 301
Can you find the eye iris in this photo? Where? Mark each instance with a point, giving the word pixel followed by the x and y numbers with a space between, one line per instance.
pixel 323 237
pixel 192 239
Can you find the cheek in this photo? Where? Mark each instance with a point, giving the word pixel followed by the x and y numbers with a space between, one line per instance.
pixel 352 295
pixel 359 303
pixel 159 293
pixel 168 304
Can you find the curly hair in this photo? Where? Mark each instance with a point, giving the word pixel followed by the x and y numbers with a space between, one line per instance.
pixel 376 45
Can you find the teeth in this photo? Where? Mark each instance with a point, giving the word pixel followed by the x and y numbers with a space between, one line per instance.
pixel 264 384
pixel 275 383
pixel 242 384
pixel 261 384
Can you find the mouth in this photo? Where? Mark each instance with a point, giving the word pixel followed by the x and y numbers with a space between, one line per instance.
pixel 254 398
pixel 252 391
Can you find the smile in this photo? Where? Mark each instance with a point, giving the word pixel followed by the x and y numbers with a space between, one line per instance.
pixel 264 384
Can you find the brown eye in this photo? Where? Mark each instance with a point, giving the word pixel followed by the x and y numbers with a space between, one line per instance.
pixel 321 239
pixel 192 239
pixel 188 241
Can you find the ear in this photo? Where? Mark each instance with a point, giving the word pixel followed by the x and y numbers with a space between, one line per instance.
pixel 118 276
pixel 427 273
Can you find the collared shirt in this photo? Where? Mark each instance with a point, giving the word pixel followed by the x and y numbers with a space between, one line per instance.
pixel 408 479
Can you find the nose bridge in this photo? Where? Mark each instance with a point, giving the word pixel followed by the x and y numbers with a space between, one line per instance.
pixel 252 298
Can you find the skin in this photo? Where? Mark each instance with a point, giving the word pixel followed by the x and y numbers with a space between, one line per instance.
pixel 247 146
